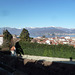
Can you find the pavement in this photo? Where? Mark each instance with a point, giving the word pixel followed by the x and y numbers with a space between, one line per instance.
pixel 51 59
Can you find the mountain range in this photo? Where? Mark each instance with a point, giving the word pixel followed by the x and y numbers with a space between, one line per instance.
pixel 39 31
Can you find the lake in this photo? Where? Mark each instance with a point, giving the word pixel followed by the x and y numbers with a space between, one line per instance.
pixel 54 36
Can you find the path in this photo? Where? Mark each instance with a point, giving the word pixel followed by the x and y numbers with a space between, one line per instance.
pixel 51 59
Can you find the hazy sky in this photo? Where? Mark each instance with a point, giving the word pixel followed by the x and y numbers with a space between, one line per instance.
pixel 37 13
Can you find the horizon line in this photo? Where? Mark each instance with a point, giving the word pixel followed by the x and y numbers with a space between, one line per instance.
pixel 36 27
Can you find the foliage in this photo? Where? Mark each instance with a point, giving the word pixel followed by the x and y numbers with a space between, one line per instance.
pixel 61 51
pixel 0 48
pixel 41 40
pixel 24 36
pixel 6 38
pixel 7 35
pixel 43 36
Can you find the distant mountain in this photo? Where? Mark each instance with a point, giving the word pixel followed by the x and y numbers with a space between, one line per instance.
pixel 63 29
pixel 11 30
pixel 39 31
pixel 45 31
pixel 66 30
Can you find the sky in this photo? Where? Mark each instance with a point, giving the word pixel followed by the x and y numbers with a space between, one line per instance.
pixel 37 13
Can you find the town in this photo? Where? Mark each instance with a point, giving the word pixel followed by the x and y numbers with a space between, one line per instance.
pixel 55 40
pixel 50 41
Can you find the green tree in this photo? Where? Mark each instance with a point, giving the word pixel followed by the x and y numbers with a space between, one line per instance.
pixel 43 36
pixel 7 38
pixel 24 36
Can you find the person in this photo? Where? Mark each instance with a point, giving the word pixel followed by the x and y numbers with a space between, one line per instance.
pixel 13 51
pixel 19 50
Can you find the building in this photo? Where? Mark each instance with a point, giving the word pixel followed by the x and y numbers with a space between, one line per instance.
pixel 73 38
pixel 48 42
pixel 1 40
pixel 67 37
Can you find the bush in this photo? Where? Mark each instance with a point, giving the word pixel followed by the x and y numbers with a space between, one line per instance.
pixel 61 51
pixel 0 48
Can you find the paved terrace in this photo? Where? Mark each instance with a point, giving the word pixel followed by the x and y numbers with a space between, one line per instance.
pixel 51 59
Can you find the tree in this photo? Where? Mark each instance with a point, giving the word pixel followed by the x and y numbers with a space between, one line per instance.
pixel 43 36
pixel 7 38
pixel 24 36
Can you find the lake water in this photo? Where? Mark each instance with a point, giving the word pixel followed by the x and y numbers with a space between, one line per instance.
pixel 54 36
pixel 63 35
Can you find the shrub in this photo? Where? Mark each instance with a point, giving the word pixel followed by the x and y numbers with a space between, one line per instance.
pixel 61 51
